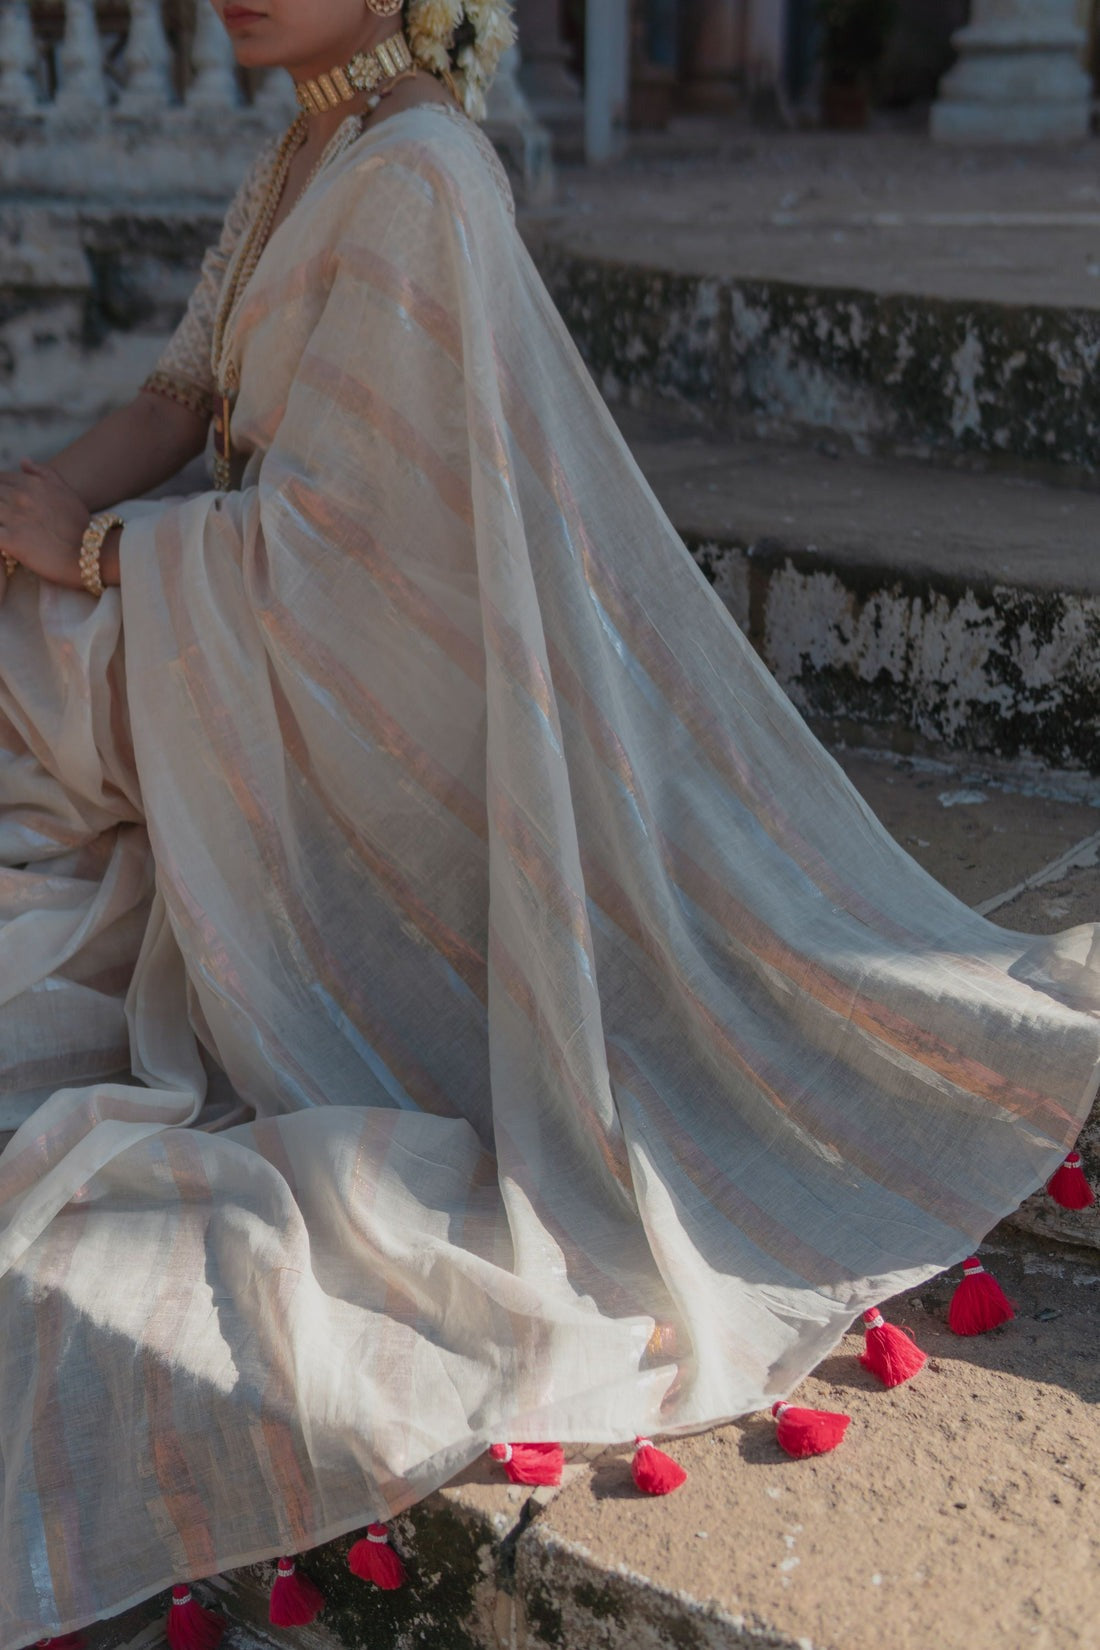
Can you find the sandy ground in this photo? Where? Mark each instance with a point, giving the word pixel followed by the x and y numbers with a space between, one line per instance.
pixel 960 1510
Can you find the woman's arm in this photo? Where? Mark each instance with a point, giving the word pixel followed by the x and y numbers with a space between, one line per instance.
pixel 131 450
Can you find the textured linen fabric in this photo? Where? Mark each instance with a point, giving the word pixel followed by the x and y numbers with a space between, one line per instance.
pixel 447 994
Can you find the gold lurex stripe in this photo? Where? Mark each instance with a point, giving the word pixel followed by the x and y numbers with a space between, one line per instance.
pixel 357 398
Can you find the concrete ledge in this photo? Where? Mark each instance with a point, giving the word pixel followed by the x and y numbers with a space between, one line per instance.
pixel 926 377
pixel 570 1598
pixel 962 610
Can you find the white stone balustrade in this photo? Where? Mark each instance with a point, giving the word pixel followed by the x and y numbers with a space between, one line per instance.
pixel 121 133
pixel 148 61
pixel 18 59
pixel 215 84
pixel 83 87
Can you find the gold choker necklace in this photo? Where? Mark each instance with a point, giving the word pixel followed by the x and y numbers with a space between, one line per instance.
pixel 372 72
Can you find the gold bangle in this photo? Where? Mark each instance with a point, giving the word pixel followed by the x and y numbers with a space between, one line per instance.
pixel 10 565
pixel 90 547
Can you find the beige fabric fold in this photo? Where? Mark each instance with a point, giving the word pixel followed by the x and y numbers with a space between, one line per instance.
pixel 602 1056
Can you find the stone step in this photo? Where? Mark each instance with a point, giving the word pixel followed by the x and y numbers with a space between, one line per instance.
pixel 957 1511
pixel 907 603
pixel 907 300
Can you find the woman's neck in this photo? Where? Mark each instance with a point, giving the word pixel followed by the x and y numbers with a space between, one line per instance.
pixel 322 126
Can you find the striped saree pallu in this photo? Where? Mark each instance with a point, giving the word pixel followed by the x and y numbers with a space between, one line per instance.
pixel 445 992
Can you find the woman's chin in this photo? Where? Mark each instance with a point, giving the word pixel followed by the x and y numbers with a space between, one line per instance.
pixel 250 54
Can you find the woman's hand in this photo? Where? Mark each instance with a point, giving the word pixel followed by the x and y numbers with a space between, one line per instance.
pixel 42 522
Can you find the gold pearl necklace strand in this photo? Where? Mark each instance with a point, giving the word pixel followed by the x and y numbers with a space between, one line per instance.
pixel 377 72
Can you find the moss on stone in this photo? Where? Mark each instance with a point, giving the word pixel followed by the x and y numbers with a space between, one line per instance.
pixel 544 1615
pixel 438 1604
pixel 1001 383
pixel 599 1601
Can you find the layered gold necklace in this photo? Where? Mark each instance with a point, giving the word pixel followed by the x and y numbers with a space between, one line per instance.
pixel 377 73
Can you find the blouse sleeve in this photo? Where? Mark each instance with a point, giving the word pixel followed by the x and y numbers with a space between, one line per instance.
pixel 183 372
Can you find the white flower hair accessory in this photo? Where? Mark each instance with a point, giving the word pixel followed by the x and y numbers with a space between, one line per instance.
pixel 462 41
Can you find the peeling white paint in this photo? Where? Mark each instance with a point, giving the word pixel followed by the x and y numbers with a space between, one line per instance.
pixel 947 659
pixel 967 365
pixel 961 799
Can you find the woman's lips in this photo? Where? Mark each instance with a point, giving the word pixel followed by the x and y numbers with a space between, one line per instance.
pixel 240 14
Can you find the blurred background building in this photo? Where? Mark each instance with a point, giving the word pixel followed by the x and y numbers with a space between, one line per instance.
pixel 639 63
pixel 591 71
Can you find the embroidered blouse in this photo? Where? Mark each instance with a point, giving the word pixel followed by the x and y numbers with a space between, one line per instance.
pixel 183 371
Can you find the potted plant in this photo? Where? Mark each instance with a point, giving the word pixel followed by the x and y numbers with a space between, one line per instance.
pixel 854 34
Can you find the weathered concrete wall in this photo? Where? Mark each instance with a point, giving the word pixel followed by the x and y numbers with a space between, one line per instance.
pixel 993 382
pixel 988 667
pixel 87 298
pixel 568 1600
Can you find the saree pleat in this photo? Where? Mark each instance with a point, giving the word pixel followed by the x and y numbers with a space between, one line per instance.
pixel 446 993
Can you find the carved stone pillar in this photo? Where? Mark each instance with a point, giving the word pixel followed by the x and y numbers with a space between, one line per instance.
pixel 545 75
pixel 715 39
pixel 765 47
pixel 82 89
pixel 606 79
pixel 18 58
pixel 1019 78
pixel 522 141
pixel 215 65
pixel 148 61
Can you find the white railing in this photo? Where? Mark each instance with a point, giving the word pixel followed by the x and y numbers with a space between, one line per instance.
pixel 127 101
pixel 134 101
pixel 83 71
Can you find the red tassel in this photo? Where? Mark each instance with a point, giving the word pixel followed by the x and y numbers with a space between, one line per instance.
pixel 803 1432
pixel 295 1600
pixel 889 1352
pixel 979 1303
pixel 654 1472
pixel 530 1463
pixel 373 1559
pixel 1068 1185
pixel 189 1626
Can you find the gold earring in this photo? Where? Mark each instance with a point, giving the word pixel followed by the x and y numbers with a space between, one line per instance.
pixel 385 8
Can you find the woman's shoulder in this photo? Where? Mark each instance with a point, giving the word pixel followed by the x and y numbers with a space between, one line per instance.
pixel 441 148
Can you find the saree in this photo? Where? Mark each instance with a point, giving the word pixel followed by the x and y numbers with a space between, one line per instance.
pixel 446 993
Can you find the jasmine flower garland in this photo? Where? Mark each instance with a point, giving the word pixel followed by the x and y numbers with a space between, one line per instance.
pixel 462 41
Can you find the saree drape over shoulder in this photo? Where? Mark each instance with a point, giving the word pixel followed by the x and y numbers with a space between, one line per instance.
pixel 446 994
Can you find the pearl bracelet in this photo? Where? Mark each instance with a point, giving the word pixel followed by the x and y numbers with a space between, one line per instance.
pixel 90 547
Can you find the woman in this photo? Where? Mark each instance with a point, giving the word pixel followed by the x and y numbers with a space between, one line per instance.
pixel 448 994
